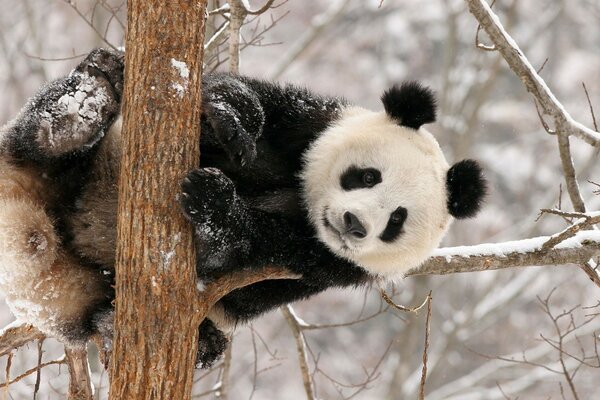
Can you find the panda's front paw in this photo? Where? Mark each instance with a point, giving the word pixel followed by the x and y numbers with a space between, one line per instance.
pixel 231 135
pixel 105 64
pixel 207 196
pixel 233 116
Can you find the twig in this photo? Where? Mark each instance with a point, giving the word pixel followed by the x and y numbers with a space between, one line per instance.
pixel 90 23
pixel 415 310
pixel 30 371
pixel 425 348
pixel 585 222
pixel 587 96
pixel 226 370
pixel 319 24
pixel 524 70
pixel 296 327
pixel 38 375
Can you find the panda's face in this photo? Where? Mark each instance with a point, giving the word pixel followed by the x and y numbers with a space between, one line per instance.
pixel 376 192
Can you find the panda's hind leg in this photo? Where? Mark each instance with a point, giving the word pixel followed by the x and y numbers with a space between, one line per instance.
pixel 28 242
pixel 212 343
pixel 68 115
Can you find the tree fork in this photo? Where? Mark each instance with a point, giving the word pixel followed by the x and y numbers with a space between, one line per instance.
pixel 156 318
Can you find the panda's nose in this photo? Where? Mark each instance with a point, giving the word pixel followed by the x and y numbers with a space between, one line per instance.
pixel 353 226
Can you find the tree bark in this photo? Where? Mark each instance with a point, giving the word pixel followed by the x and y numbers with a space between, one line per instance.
pixel 156 323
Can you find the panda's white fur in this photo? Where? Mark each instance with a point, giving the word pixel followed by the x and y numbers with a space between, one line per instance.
pixel 413 171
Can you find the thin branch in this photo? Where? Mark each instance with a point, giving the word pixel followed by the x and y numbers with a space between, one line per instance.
pixel 296 327
pixel 585 222
pixel 319 24
pixel 30 371
pixel 90 23
pixel 528 75
pixel 415 309
pixel 226 371
pixel 425 348
pixel 587 96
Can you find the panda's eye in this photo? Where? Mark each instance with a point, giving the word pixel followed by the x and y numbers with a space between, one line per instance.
pixel 398 216
pixel 393 229
pixel 368 178
pixel 360 178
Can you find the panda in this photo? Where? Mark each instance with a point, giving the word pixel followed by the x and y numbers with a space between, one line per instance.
pixel 338 194
pixel 46 154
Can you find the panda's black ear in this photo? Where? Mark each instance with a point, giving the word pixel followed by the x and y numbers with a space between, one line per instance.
pixel 466 187
pixel 411 104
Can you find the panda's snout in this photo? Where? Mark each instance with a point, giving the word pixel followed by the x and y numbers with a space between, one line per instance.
pixel 353 226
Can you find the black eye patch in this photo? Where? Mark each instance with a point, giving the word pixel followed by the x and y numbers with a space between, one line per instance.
pixel 394 226
pixel 360 178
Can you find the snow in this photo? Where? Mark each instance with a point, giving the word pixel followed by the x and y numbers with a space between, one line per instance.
pixel 516 246
pixel 166 257
pixel 181 86
pixel 182 67
pixel 179 89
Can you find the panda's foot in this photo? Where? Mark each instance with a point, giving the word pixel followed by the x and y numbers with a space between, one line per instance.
pixel 208 196
pixel 71 114
pixel 211 344
pixel 106 64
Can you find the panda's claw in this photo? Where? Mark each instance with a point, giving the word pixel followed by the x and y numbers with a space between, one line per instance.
pixel 207 195
pixel 239 146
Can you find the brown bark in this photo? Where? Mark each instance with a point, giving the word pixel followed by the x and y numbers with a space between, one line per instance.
pixel 156 324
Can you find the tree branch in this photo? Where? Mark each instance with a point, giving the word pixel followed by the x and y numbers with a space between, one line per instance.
pixel 80 384
pixel 217 289
pixel 296 327
pixel 522 253
pixel 517 62
pixel 16 335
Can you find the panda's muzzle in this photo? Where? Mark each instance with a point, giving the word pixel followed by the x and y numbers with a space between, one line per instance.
pixel 353 226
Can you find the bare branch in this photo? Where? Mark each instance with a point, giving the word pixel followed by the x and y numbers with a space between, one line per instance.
pixel 585 222
pixel 80 383
pixel 425 348
pixel 528 75
pixel 296 327
pixel 415 309
pixel 587 96
pixel 319 24
pixel 30 371
pixel 16 335
pixel 89 22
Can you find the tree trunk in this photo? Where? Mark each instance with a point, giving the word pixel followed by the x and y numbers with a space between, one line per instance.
pixel 156 324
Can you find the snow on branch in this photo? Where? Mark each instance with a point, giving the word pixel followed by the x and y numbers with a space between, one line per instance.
pixel 521 66
pixel 577 249
pixel 16 335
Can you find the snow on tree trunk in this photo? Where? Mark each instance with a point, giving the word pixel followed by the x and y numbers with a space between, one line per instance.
pixel 156 325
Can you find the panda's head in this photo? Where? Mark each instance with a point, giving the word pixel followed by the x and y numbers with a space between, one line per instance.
pixel 378 189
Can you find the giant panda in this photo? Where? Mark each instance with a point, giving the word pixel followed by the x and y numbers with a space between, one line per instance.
pixel 336 193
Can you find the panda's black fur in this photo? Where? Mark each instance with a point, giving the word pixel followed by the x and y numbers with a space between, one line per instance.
pixel 247 200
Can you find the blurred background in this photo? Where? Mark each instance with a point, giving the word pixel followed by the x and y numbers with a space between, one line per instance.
pixel 487 328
